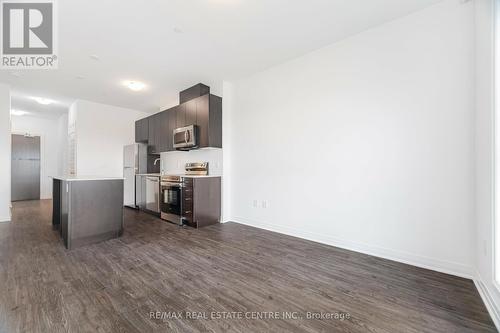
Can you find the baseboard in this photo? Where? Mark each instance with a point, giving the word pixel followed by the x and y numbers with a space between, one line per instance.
pixel 441 266
pixel 5 219
pixel 485 294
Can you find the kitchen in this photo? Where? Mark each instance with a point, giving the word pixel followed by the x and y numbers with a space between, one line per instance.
pixel 191 198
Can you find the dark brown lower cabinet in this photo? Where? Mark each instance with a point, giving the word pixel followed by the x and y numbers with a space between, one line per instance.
pixel 201 201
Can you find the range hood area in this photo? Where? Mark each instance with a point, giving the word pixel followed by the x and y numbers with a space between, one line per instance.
pixel 193 124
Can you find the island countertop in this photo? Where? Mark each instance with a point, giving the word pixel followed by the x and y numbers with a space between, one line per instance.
pixel 70 178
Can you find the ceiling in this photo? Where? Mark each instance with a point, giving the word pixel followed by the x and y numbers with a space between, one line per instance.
pixel 173 44
pixel 24 102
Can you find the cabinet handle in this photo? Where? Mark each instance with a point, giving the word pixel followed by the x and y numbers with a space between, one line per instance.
pixel 187 199
pixel 187 212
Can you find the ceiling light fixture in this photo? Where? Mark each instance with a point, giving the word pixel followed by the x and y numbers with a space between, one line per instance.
pixel 18 112
pixel 135 85
pixel 43 101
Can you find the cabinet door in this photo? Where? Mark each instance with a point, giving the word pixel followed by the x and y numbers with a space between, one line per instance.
pixel 151 136
pixel 145 129
pixel 163 131
pixel 202 114
pixel 141 130
pixel 138 131
pixel 190 112
pixel 181 115
pixel 157 120
pixel 172 124
pixel 215 122
pixel 154 134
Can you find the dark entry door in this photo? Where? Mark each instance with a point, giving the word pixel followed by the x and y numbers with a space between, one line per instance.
pixel 25 167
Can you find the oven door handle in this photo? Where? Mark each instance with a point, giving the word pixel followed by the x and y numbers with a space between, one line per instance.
pixel 171 184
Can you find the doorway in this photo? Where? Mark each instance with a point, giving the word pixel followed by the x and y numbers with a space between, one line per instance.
pixel 25 167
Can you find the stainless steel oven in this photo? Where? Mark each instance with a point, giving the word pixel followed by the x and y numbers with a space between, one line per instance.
pixel 171 204
pixel 186 138
pixel 177 194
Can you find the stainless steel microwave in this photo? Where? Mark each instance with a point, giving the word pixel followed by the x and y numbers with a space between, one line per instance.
pixel 186 138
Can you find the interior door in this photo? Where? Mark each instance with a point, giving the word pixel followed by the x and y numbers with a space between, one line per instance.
pixel 25 168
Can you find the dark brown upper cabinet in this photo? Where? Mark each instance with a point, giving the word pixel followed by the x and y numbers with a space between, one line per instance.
pixel 172 124
pixel 142 130
pixel 180 112
pixel 209 121
pixel 204 111
pixel 193 92
pixel 155 133
pixel 190 112
pixel 164 130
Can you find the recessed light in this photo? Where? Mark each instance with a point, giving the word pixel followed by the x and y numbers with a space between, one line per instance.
pixel 178 30
pixel 79 77
pixel 135 85
pixel 18 112
pixel 94 56
pixel 43 101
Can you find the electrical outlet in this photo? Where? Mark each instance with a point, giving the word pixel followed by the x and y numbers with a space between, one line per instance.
pixel 264 204
pixel 255 204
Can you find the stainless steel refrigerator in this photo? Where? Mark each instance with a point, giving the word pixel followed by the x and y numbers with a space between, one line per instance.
pixel 135 161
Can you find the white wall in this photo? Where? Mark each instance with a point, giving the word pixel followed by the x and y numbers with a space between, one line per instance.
pixel 484 155
pixel 366 144
pixel 101 132
pixel 5 148
pixel 50 148
pixel 227 134
pixel 62 138
pixel 174 162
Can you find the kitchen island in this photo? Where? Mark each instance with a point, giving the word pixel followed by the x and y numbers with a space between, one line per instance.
pixel 87 209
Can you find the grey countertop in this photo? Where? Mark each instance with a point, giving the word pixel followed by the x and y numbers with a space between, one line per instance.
pixel 206 176
pixel 176 174
pixel 82 178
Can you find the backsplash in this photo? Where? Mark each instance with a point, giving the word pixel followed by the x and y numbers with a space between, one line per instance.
pixel 173 162
pixel 152 168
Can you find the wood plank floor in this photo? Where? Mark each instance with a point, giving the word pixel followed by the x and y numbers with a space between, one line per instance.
pixel 115 285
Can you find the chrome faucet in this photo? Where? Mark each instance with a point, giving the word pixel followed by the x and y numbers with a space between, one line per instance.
pixel 156 161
